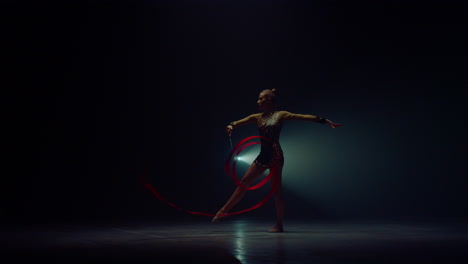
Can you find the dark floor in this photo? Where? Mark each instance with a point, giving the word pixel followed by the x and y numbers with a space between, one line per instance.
pixel 238 241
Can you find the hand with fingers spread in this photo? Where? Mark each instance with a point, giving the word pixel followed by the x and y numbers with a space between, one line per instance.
pixel 331 124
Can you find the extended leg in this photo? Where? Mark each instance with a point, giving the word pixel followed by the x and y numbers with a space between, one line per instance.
pixel 249 177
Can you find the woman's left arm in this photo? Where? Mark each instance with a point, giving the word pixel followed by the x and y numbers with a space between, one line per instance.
pixel 285 115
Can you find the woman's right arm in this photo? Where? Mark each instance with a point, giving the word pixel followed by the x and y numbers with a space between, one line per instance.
pixel 247 120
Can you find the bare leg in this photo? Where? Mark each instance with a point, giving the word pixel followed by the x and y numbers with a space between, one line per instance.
pixel 249 177
pixel 279 200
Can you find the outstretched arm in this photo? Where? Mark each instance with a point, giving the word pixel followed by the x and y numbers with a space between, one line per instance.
pixel 312 118
pixel 250 119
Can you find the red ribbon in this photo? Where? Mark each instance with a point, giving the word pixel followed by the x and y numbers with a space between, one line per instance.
pixel 230 171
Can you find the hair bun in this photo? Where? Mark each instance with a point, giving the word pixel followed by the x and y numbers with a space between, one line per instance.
pixel 274 90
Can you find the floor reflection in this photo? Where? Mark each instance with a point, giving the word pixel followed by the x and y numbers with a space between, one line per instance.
pixel 246 247
pixel 280 249
pixel 245 242
pixel 239 250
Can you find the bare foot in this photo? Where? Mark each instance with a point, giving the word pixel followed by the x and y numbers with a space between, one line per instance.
pixel 276 229
pixel 218 216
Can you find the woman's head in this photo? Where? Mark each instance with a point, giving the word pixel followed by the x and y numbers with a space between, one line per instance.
pixel 267 100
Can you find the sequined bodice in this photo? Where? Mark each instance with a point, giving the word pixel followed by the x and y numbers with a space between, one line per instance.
pixel 269 126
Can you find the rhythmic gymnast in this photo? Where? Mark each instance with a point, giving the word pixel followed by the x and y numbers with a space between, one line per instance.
pixel 269 122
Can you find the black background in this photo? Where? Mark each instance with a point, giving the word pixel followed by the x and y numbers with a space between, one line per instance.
pixel 94 92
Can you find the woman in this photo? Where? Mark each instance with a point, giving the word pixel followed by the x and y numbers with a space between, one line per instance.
pixel 269 122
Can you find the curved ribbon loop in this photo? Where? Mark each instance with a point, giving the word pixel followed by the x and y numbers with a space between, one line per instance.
pixel 230 170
